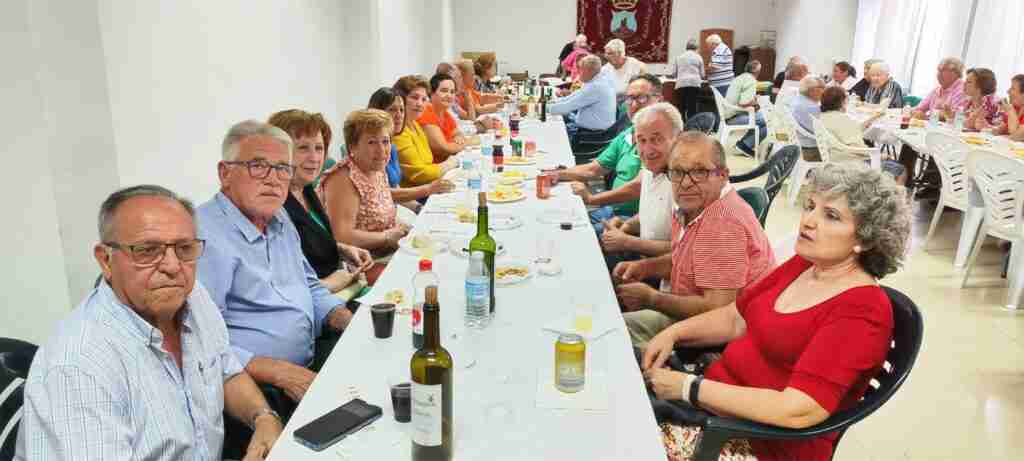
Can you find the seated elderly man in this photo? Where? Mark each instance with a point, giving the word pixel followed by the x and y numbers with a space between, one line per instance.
pixel 949 96
pixel 718 246
pixel 883 89
pixel 860 89
pixel 743 93
pixel 795 73
pixel 806 106
pixel 142 369
pixel 620 156
pixel 273 303
pixel 592 107
pixel 780 78
pixel 648 233
pixel 623 67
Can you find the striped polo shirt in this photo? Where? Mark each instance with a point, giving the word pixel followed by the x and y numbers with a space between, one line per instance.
pixel 721 57
pixel 722 248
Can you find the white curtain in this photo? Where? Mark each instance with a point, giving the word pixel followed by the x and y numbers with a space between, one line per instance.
pixel 996 40
pixel 914 35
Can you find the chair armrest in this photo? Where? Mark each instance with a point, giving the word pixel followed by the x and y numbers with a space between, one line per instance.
pixel 752 174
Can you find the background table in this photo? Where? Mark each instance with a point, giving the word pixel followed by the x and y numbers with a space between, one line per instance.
pixel 496 416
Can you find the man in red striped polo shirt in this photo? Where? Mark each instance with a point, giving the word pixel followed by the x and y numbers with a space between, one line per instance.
pixel 718 246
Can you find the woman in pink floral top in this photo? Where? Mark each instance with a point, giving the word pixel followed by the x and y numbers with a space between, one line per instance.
pixel 982 109
pixel 359 203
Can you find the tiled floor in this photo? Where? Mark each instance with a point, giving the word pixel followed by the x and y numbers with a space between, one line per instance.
pixel 965 396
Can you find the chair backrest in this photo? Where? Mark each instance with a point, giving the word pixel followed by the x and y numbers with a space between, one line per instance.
pixel 952 166
pixel 938 142
pixel 999 183
pixel 825 139
pixel 788 125
pixel 719 102
pixel 778 167
pixel 756 197
pixel 15 359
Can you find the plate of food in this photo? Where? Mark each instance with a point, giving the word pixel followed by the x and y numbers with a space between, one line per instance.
pixel 519 160
pixel 416 243
pixel 511 272
pixel 510 181
pixel 460 247
pixel 397 297
pixel 975 140
pixel 525 175
pixel 505 196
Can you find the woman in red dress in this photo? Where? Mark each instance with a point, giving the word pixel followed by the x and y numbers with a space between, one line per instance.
pixel 805 341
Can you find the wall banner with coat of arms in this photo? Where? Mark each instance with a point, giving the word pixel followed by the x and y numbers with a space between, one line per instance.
pixel 642 24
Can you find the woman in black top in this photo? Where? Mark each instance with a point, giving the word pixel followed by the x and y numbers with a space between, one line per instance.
pixel 304 205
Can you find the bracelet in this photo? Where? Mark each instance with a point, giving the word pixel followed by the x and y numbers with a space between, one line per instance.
pixel 687 382
pixel 261 412
pixel 695 391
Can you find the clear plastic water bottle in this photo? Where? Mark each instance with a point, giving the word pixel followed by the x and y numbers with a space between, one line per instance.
pixel 933 119
pixel 958 121
pixel 478 293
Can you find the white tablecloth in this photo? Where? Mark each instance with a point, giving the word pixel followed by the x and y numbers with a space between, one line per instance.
pixel 496 411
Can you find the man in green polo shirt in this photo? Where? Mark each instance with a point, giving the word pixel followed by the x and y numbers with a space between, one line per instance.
pixel 620 156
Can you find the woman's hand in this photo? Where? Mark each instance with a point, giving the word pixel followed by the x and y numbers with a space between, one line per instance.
pixel 1005 106
pixel 441 186
pixel 358 256
pixel 667 384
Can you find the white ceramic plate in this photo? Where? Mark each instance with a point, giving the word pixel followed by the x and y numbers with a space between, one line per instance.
pixel 502 221
pixel 502 279
pixel 460 247
pixel 439 239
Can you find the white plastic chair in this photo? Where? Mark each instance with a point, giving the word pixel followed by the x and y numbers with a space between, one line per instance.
pixel 724 129
pixel 773 122
pixel 950 157
pixel 999 183
pixel 803 166
pixel 830 146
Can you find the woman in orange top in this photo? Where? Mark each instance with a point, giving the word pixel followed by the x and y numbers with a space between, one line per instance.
pixel 469 99
pixel 437 121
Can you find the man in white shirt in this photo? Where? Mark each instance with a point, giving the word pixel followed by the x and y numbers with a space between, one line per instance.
pixel 623 67
pixel 649 232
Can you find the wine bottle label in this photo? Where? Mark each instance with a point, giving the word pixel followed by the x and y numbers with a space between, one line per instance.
pixel 426 414
pixel 417 319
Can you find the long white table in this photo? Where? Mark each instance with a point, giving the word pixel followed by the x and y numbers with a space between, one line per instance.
pixel 496 415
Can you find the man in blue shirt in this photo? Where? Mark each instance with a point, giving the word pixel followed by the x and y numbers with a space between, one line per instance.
pixel 142 370
pixel 273 304
pixel 806 107
pixel 593 105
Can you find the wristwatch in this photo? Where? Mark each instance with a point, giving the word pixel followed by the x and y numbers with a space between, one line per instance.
pixel 261 412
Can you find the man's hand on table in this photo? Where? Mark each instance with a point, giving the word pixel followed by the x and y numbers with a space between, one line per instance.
pixel 582 190
pixel 635 296
pixel 614 239
pixel 631 271
pixel 339 318
pixel 293 379
pixel 615 222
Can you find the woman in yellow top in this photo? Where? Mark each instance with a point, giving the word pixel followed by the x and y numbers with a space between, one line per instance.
pixel 414 154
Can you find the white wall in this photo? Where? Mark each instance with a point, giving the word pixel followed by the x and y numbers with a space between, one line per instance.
pixel 530 34
pixel 32 276
pixel 817 30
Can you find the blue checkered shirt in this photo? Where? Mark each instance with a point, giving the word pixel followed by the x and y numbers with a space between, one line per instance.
pixel 104 388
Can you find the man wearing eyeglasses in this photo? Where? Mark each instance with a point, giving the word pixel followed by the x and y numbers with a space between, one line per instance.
pixel 621 157
pixel 142 369
pixel 281 320
pixel 718 245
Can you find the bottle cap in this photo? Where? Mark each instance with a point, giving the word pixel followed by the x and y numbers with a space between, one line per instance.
pixel 567 226
pixel 426 265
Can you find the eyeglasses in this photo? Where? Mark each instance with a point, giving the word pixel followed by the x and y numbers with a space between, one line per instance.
pixel 639 99
pixel 260 169
pixel 148 254
pixel 697 176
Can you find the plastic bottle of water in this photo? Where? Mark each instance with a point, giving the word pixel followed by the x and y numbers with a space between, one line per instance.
pixel 958 121
pixel 478 293
pixel 933 120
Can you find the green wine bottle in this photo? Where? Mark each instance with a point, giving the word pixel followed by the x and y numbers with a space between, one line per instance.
pixel 483 242
pixel 432 392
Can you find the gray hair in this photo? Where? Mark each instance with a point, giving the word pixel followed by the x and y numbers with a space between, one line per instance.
pixel 616 46
pixel 230 147
pixel 697 137
pixel 660 109
pixel 691 44
pixel 795 60
pixel 796 71
pixel 809 83
pixel 880 212
pixel 713 39
pixel 870 62
pixel 955 63
pixel 105 220
pixel 881 65
pixel 590 61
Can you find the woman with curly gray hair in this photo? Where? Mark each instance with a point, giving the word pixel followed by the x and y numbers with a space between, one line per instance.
pixel 805 341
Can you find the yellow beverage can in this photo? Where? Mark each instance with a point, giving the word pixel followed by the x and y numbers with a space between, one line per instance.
pixel 570 363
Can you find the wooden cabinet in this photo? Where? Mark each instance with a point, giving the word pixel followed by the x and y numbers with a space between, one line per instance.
pixel 767 58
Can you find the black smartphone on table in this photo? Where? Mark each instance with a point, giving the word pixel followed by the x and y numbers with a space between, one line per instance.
pixel 336 425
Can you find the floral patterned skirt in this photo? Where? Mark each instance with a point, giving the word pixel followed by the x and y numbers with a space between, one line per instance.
pixel 681 441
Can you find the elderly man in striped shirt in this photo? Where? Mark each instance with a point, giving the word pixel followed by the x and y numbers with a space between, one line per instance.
pixel 142 370
pixel 718 245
